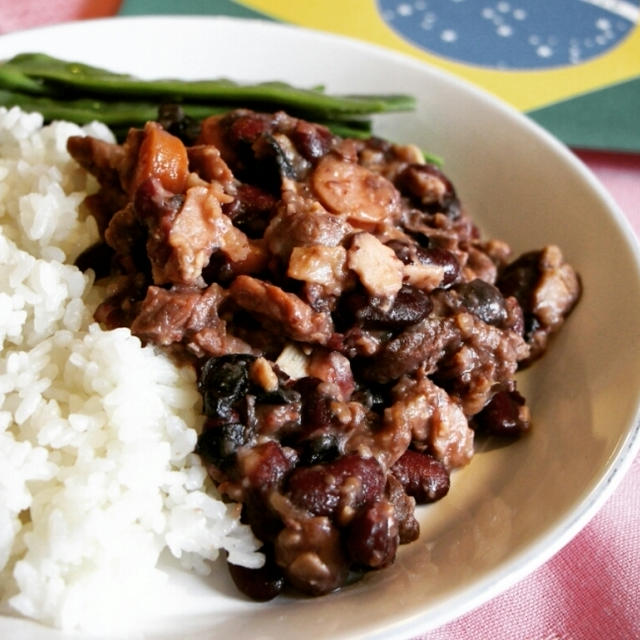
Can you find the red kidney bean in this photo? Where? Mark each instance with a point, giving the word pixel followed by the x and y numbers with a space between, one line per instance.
pixel 264 466
pixel 506 414
pixel 422 476
pixel 349 482
pixel 372 539
pixel 312 140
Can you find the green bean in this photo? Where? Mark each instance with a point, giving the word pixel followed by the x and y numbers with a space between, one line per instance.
pixel 94 81
pixel 85 110
pixel 81 93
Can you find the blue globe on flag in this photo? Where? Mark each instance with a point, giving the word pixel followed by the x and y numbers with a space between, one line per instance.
pixel 513 34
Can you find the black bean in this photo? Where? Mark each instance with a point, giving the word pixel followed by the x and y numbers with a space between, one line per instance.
pixel 483 300
pixel 223 382
pixel 251 210
pixel 506 414
pixel 97 257
pixel 173 118
pixel 409 307
pixel 312 140
pixel 322 448
pixel 259 584
pixel 437 256
pixel 218 443
pixel 429 188
pixel 520 278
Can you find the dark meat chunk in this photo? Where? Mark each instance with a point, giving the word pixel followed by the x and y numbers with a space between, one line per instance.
pixel 164 315
pixel 288 312
pixel 478 361
pixel 434 421
pixel 420 345
pixel 302 222
pixel 186 315
pixel 310 552
pixel 547 289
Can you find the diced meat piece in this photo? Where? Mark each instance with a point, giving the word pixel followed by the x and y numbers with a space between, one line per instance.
pixel 98 157
pixel 558 288
pixel 365 198
pixel 547 289
pixel 426 183
pixel 377 266
pixel 434 420
pixel 189 316
pixel 420 345
pixel 311 556
pixel 163 157
pixel 184 231
pixel 261 373
pixel 164 315
pixel 321 265
pixel 303 222
pixel 206 161
pixel 126 235
pixel 477 362
pixel 403 506
pixel 333 367
pixel 479 265
pixel 296 318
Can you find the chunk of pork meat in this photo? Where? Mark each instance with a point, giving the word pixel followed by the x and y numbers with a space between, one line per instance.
pixel 377 266
pixel 186 315
pixel 184 231
pixel 302 222
pixel 547 288
pixel 320 265
pixel 437 424
pixel 289 313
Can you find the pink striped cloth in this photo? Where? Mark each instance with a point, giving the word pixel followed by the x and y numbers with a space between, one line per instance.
pixel 590 590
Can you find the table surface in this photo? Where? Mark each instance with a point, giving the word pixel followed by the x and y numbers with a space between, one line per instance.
pixel 591 588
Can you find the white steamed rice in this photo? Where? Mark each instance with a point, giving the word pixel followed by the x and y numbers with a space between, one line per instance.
pixel 97 474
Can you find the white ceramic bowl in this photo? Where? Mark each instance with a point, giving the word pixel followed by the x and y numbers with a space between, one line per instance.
pixel 512 507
